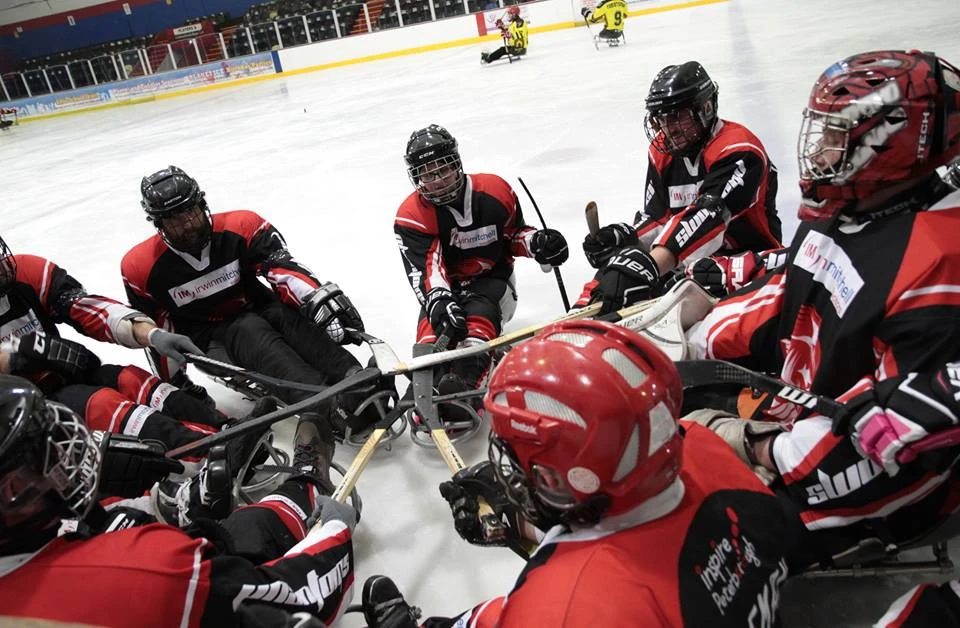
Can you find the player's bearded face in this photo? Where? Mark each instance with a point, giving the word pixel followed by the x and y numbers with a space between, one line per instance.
pixel 188 230
pixel 681 130
pixel 440 180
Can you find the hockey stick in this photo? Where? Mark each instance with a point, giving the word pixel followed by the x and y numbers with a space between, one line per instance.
pixel 366 452
pixel 556 269
pixel 265 421
pixel 703 372
pixel 254 376
pixel 593 218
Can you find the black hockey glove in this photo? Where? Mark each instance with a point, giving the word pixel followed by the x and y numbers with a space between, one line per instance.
pixel 629 276
pixel 711 275
pixel 463 493
pixel 36 351
pixel 445 313
pixel 131 466
pixel 171 345
pixel 600 246
pixel 549 247
pixel 330 310
pixel 586 12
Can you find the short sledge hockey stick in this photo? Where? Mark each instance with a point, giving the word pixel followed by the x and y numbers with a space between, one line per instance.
pixel 590 212
pixel 367 375
pixel 366 452
pixel 260 378
pixel 556 269
pixel 704 372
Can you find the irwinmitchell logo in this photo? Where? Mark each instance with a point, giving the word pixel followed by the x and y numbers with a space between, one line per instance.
pixel 205 285
pixel 475 238
pixel 19 326
pixel 830 266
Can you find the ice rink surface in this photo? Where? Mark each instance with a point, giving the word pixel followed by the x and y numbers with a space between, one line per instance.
pixel 320 156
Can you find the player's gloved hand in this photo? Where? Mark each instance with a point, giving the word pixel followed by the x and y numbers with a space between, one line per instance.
pixel 629 276
pixel 36 351
pixel 444 312
pixel 463 493
pixel 711 273
pixel 884 421
pixel 549 247
pixel 131 466
pixel 172 345
pixel 952 175
pixel 586 12
pixel 599 246
pixel 332 510
pixel 330 310
pixel 499 24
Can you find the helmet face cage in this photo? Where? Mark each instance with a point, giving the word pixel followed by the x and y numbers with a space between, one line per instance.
pixel 510 475
pixel 59 463
pixel 440 180
pixel 176 206
pixel 681 108
pixel 679 130
pixel 822 146
pixel 8 267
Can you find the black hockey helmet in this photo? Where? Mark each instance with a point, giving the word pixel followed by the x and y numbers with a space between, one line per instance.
pixel 433 164
pixel 681 108
pixel 8 267
pixel 49 462
pixel 170 192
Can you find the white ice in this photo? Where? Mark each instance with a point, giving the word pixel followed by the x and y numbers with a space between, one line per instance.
pixel 319 155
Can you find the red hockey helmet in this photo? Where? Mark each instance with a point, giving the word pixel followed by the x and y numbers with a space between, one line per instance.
pixel 584 422
pixel 513 12
pixel 876 119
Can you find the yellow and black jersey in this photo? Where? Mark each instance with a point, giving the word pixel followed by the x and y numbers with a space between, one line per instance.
pixel 613 13
pixel 518 34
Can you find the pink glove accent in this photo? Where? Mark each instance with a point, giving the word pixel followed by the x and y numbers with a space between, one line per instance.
pixel 880 435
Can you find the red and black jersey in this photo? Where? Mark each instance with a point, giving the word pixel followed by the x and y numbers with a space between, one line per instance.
pixel 853 300
pixel 717 558
pixel 856 303
pixel 444 247
pixel 43 295
pixel 733 166
pixel 171 285
pixel 157 575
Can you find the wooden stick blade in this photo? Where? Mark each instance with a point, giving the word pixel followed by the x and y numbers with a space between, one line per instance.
pixel 593 217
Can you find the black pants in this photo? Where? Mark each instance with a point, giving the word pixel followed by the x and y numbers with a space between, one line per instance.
pixel 503 50
pixel 277 341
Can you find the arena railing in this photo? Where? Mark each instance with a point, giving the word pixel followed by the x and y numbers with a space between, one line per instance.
pixel 283 32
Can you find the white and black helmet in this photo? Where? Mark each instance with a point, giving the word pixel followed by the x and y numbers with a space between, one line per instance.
pixel 168 192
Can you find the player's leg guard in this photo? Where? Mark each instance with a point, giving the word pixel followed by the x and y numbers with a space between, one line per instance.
pixel 265 530
pixel 144 388
pixel 384 606
pixel 357 411
pixel 740 434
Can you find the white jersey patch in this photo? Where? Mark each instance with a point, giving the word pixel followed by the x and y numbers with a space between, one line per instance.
pixel 19 326
pixel 830 266
pixel 683 195
pixel 474 238
pixel 203 286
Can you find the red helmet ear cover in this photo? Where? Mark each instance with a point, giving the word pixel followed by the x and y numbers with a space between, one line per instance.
pixel 568 407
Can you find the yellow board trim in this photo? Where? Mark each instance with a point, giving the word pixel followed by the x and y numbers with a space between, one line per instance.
pixel 368 59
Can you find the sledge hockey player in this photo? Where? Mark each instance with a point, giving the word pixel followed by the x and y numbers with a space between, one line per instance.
pixel 613 14
pixel 516 37
pixel 839 320
pixel 711 187
pixel 261 566
pixel 5 121
pixel 35 296
pixel 644 520
pixel 199 275
pixel 458 235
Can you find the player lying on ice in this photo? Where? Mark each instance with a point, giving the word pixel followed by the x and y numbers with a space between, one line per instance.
pixel 199 274
pixel 37 295
pixel 458 236
pixel 645 521
pixel 263 565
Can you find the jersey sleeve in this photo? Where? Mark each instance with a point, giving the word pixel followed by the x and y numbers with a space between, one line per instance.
pixel 742 327
pixel 698 231
pixel 66 301
pixel 518 234
pixel 315 576
pixel 419 244
pixel 649 221
pixel 268 255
